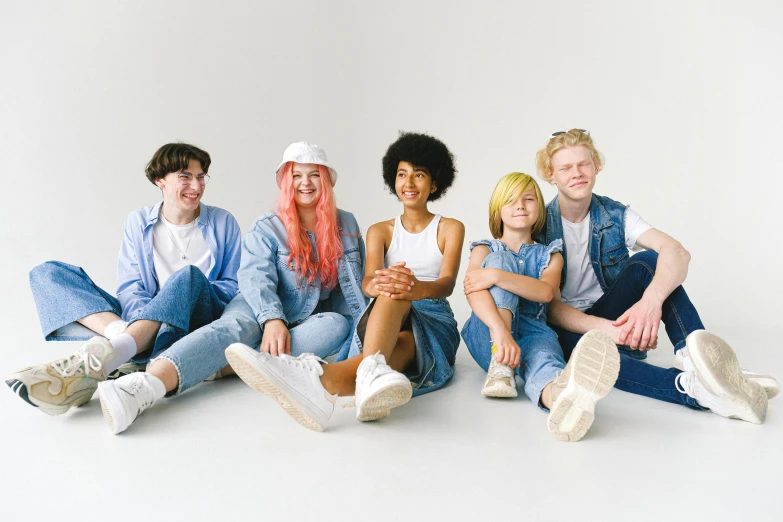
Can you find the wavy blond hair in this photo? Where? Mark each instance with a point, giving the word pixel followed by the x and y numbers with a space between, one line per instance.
pixel 572 138
pixel 508 190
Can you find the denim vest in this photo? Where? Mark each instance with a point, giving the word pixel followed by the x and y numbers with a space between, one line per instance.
pixel 269 283
pixel 533 260
pixel 608 253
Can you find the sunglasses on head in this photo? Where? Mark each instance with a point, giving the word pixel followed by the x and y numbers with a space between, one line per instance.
pixel 560 133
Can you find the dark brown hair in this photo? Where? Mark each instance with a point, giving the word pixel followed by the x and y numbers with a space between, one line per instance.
pixel 174 157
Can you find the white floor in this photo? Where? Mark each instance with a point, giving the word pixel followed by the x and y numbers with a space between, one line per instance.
pixel 224 451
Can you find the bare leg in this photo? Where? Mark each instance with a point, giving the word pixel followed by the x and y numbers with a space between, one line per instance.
pixel 340 378
pixel 383 326
pixel 144 333
pixel 98 322
pixel 382 335
pixel 507 317
pixel 546 396
pixel 166 372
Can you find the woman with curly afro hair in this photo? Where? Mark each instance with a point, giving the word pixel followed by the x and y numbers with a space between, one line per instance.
pixel 406 340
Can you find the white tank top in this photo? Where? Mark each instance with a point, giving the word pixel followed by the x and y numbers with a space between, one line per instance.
pixel 419 251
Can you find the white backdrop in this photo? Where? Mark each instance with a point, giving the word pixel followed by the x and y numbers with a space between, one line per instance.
pixel 683 98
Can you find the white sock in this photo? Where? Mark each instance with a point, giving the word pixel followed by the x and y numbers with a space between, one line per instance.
pixel 124 348
pixel 114 328
pixel 158 388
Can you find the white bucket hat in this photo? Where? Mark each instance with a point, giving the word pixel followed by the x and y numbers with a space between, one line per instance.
pixel 303 152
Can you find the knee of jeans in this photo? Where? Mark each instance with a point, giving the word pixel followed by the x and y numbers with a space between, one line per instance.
pixel 191 271
pixel 647 259
pixel 333 322
pixel 47 271
pixel 501 260
pixel 504 298
pixel 240 326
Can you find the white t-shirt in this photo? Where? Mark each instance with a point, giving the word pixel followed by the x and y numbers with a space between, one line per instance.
pixel 582 289
pixel 171 242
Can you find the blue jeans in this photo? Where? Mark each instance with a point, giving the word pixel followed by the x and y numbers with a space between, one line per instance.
pixel 64 293
pixel 678 314
pixel 202 353
pixel 541 359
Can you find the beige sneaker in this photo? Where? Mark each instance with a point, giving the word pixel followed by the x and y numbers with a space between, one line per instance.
pixel 682 360
pixel 587 378
pixel 71 381
pixel 501 380
pixel 717 381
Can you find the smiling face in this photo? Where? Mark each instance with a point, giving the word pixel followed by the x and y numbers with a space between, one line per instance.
pixel 573 172
pixel 413 184
pixel 179 197
pixel 306 184
pixel 522 213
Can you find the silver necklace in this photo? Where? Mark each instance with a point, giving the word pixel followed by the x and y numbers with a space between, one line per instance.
pixel 190 236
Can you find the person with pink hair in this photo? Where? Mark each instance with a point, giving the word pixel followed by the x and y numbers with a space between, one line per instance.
pixel 406 341
pixel 300 291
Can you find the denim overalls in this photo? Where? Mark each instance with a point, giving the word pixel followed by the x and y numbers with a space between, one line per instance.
pixel 542 358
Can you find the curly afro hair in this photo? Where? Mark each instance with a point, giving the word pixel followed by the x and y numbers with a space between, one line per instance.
pixel 420 150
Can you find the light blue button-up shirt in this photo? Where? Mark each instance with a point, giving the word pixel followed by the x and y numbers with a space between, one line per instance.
pixel 270 286
pixel 137 282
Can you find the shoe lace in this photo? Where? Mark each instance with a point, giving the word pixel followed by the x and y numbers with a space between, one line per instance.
pixel 69 366
pixel 143 396
pixel 305 360
pixel 369 368
pixel 499 370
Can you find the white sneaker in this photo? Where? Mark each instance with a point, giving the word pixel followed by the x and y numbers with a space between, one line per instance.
pixel 682 360
pixel 379 389
pixel 501 379
pixel 294 382
pixel 588 377
pixel 70 381
pixel 124 399
pixel 717 381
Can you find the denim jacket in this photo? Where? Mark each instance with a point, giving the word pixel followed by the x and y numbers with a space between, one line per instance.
pixel 137 282
pixel 269 284
pixel 608 252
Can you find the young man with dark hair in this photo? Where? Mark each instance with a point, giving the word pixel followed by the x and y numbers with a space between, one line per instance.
pixel 176 272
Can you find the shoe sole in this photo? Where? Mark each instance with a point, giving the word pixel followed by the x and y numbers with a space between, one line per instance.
pixel 595 365
pixel 718 367
pixel 378 406
pixel 769 383
pixel 112 408
pixel 499 391
pixel 253 376
pixel 21 390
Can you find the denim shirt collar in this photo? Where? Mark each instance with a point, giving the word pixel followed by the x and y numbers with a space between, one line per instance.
pixel 154 214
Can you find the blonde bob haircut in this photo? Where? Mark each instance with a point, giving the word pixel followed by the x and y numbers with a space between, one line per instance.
pixel 572 138
pixel 508 190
